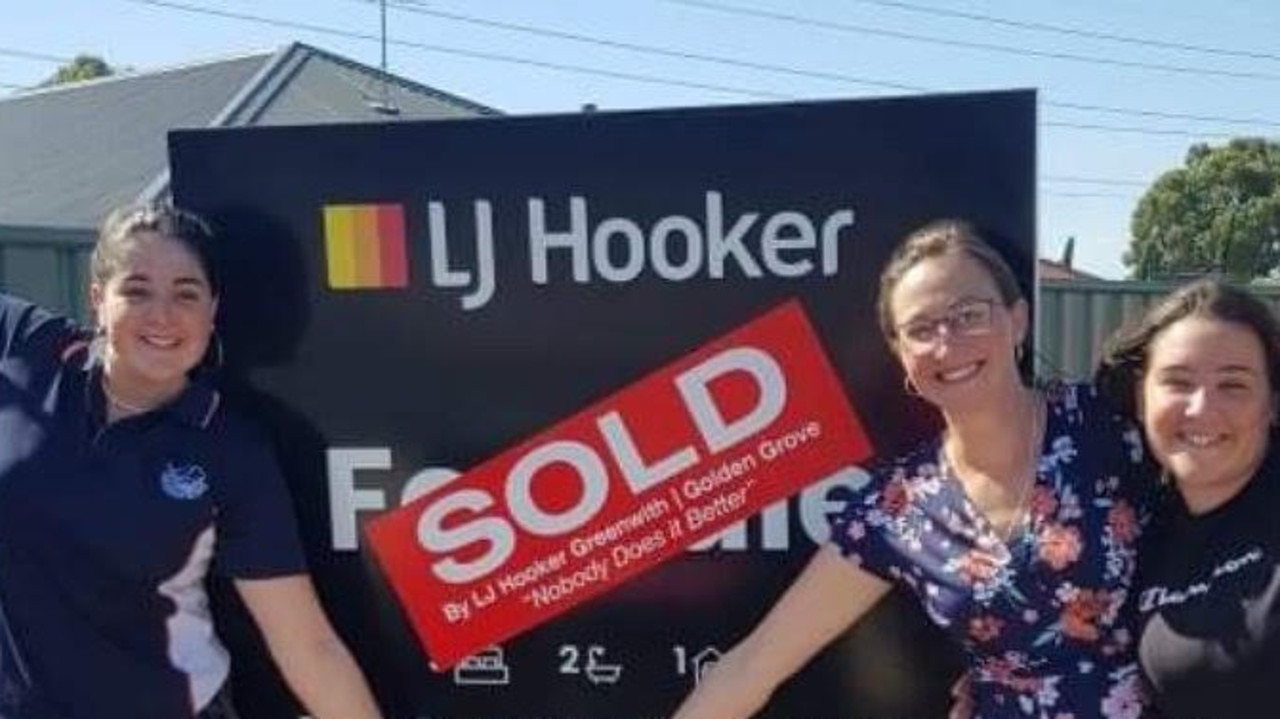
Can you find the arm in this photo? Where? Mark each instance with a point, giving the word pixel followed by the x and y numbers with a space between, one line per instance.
pixel 962 705
pixel 28 328
pixel 828 597
pixel 310 655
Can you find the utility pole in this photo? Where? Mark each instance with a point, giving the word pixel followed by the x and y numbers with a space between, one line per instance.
pixel 384 35
pixel 383 104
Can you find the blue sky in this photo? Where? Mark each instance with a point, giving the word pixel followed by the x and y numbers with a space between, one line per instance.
pixel 1158 76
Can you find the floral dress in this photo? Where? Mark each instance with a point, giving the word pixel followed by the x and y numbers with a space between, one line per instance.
pixel 1045 619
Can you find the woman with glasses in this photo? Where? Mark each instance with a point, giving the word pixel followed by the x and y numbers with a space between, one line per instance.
pixel 1016 527
pixel 123 482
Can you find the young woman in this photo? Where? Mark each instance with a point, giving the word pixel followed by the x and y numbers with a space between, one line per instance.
pixel 1016 528
pixel 122 481
pixel 1201 371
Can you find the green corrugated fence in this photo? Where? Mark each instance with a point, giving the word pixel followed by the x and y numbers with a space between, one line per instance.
pixel 1075 318
pixel 48 267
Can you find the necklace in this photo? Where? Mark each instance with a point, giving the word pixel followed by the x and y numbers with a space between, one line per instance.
pixel 1019 511
pixel 119 403
pixel 1019 519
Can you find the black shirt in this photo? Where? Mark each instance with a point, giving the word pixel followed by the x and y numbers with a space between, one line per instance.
pixel 1210 604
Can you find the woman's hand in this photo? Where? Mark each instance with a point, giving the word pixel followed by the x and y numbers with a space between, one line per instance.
pixel 825 600
pixel 962 698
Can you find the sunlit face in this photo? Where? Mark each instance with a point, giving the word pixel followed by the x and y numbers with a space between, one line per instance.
pixel 157 311
pixel 1206 404
pixel 954 335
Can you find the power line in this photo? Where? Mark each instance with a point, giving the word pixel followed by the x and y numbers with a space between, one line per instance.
pixel 29 55
pixel 1076 179
pixel 1135 130
pixel 1087 195
pixel 319 29
pixel 578 69
pixel 1073 32
pixel 985 46
pixel 1256 121
pixel 419 8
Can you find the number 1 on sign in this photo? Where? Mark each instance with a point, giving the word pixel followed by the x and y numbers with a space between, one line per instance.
pixel 682 659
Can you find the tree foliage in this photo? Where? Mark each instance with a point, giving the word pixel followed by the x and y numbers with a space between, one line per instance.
pixel 82 67
pixel 1218 213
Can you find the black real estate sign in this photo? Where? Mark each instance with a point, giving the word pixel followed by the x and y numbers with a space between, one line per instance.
pixel 524 267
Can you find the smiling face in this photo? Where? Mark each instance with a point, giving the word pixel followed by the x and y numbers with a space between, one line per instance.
pixel 1206 404
pixel 964 366
pixel 156 309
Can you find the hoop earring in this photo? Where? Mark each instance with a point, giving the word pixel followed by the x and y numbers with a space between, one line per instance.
pixel 213 354
pixel 909 387
pixel 98 343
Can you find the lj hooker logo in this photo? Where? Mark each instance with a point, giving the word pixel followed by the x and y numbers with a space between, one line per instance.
pixel 564 240
pixel 365 246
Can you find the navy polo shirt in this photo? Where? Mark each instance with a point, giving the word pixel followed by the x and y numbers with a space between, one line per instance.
pixel 107 532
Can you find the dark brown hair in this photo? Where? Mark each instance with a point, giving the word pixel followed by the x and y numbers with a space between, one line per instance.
pixel 172 223
pixel 1126 353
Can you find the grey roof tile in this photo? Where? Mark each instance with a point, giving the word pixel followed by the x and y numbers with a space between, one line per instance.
pixel 69 154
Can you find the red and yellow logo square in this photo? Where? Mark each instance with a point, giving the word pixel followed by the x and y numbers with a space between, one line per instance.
pixel 365 246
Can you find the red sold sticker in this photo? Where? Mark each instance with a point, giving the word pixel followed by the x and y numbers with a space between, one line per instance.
pixel 742 422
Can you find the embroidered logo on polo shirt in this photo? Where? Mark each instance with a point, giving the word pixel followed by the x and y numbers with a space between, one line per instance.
pixel 184 481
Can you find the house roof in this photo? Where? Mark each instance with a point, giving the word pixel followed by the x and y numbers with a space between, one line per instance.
pixel 72 152
pixel 1055 270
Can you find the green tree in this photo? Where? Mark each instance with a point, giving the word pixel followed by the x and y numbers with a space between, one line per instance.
pixel 1218 213
pixel 82 67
